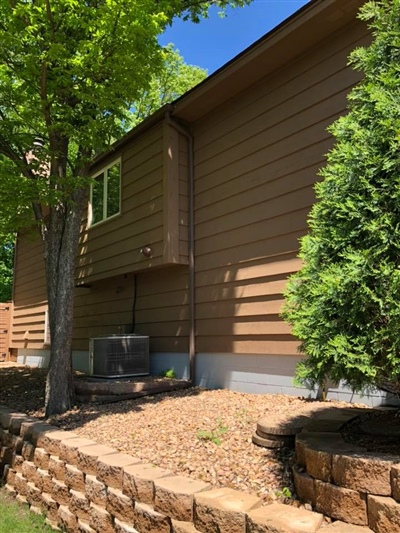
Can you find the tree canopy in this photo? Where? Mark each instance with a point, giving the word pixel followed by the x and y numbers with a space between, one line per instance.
pixel 344 303
pixel 6 270
pixel 174 78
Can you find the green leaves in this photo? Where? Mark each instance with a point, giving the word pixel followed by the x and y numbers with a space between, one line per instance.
pixel 344 303
pixel 6 267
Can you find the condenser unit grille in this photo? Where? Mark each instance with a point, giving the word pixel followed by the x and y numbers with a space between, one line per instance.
pixel 119 355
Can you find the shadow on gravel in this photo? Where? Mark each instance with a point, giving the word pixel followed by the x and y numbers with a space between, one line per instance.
pixel 23 388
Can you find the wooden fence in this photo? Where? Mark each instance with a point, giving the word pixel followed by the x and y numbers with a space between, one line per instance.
pixel 5 330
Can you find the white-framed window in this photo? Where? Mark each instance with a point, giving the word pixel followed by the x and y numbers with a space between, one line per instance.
pixel 105 193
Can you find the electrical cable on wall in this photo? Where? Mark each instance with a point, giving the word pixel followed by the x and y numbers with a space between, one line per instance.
pixel 134 303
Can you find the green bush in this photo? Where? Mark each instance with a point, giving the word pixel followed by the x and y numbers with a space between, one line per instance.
pixel 344 304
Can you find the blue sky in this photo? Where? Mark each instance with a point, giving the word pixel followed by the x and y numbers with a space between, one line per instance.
pixel 214 41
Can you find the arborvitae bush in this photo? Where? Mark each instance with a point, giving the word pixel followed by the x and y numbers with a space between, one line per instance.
pixel 344 304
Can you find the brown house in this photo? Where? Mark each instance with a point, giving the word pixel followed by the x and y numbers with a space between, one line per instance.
pixel 194 222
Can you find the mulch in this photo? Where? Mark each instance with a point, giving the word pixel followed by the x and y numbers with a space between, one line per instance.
pixel 378 431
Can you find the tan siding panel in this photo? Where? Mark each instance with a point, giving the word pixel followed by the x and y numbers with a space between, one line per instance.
pixel 267 344
pixel 236 326
pixel 161 309
pixel 256 161
pixel 317 66
pixel 113 247
pixel 294 127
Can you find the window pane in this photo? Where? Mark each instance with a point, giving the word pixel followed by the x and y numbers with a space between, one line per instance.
pixel 98 198
pixel 113 186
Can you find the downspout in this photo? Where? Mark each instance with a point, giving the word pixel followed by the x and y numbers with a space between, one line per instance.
pixel 192 311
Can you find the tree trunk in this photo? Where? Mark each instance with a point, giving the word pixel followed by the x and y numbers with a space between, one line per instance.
pixel 61 244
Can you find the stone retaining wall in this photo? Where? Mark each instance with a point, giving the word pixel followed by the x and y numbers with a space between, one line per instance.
pixel 346 482
pixel 86 487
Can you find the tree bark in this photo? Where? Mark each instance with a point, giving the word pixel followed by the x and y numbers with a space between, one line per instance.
pixel 61 244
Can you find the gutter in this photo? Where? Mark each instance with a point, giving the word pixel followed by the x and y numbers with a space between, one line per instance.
pixel 184 130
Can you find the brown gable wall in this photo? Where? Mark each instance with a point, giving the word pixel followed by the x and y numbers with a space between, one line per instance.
pixel 256 160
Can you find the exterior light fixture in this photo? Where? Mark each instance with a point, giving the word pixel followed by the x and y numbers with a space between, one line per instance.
pixel 146 251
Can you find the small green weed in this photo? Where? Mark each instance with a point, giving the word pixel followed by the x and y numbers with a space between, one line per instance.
pixel 169 374
pixel 213 435
pixel 283 493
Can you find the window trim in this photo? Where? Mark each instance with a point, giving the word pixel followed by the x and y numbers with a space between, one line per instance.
pixel 103 170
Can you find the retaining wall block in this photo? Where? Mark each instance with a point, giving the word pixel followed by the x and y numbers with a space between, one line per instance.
pixel 280 518
pixel 29 470
pixel 53 524
pixel 35 509
pixel 223 510
pixel 16 422
pixel 2 432
pixel 150 521
pixel 16 462
pixel 88 455
pixel 74 478
pixel 56 468
pixel 67 519
pixel 50 439
pixel 43 480
pixel 183 527
pixel 28 427
pixel 20 484
pixel 9 475
pixel 68 449
pixel 33 494
pixel 9 439
pixel 110 468
pixel 383 514
pixel 120 505
pixel 27 451
pixel 50 506
pixel 342 527
pixel 174 496
pixel 60 492
pixel 41 458
pixel 349 471
pixel 395 481
pixel 95 490
pixel 6 455
pixel 138 481
pixel 79 505
pixel 11 490
pixel 21 499
pixel 340 503
pixel 123 527
pixel 100 519
pixel 84 527
pixel 304 485
pixel 6 416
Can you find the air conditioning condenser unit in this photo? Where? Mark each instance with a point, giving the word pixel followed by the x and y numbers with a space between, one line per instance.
pixel 119 356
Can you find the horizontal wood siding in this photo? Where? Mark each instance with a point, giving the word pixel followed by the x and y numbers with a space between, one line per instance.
pixel 256 161
pixel 30 294
pixel 113 247
pixel 161 309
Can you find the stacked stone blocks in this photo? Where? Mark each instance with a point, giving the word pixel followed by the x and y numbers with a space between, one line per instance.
pixel 345 481
pixel 84 487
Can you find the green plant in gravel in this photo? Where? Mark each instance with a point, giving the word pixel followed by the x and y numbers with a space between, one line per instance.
pixel 16 518
pixel 213 435
pixel 284 493
pixel 169 374
pixel 344 302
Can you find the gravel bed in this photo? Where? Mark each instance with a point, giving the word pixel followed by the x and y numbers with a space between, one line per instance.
pixel 198 433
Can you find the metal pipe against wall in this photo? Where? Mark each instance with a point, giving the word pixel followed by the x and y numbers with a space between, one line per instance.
pixel 192 311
